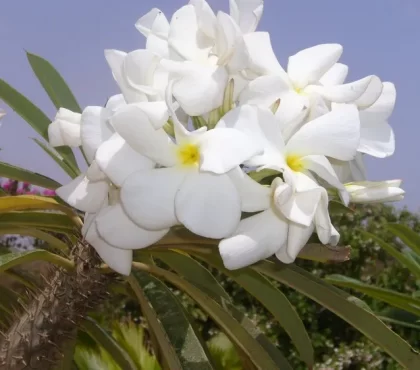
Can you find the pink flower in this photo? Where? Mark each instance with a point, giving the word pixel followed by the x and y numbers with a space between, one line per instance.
pixel 49 193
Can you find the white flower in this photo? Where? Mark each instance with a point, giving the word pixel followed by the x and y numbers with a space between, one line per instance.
pixel 334 135
pixel 312 82
pixel 118 259
pixel 284 227
pixel 375 192
pixel 65 129
pixel 193 189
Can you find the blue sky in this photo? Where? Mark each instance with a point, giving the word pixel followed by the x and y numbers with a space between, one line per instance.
pixel 380 37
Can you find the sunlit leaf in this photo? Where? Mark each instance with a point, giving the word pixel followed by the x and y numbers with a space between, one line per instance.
pixel 10 260
pixel 407 236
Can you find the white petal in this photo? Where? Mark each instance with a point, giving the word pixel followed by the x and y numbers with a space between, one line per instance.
pixel 208 205
pixel 148 197
pixel 309 65
pixel 199 88
pixel 260 125
pixel 119 260
pixel 254 196
pixel 351 92
pixel 301 207
pixel 115 60
pixel 323 225
pixel 117 229
pixel 382 109
pixel 264 91
pixel 157 112
pixel 115 102
pixel 261 57
pixel 246 13
pixel 134 126
pixel 145 23
pixel 377 139
pixel 95 129
pixel 155 27
pixel 298 236
pixel 323 168
pixel 257 237
pixel 118 160
pixel 185 36
pixel 65 129
pixel 83 194
pixel 228 33
pixel 336 75
pixel 62 133
pixel 205 17
pixel 223 149
pixel 371 95
pixel 336 135
pixel 138 68
pixel 94 172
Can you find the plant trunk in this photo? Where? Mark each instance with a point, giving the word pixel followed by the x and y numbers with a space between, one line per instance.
pixel 44 329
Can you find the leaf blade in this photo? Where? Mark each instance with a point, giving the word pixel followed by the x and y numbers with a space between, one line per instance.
pixel 180 336
pixel 363 320
pixel 108 343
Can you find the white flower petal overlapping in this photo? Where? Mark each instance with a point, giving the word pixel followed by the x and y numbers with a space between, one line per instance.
pixel 152 167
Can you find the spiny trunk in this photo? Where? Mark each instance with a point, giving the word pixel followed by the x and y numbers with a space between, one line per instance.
pixel 40 334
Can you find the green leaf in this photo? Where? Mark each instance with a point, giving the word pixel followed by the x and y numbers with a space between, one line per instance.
pixel 190 269
pixel 104 339
pixel 39 234
pixel 34 116
pixel 405 260
pixel 258 176
pixel 396 299
pixel 180 335
pixel 325 253
pixel 10 260
pixel 335 207
pixel 199 276
pixel 275 302
pixel 20 174
pixel 53 83
pixel 42 220
pixel 236 333
pixel 57 158
pixel 407 236
pixel 132 338
pixel 361 319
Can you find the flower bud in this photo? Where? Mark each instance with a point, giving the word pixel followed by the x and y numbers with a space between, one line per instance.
pixel 375 192
pixel 65 129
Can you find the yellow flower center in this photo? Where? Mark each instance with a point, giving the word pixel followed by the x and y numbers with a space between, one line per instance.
pixel 300 91
pixel 189 154
pixel 294 162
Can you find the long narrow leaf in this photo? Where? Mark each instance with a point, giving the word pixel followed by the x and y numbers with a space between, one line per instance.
pixel 407 236
pixel 396 299
pixel 39 234
pixel 275 301
pixel 10 260
pixel 20 174
pixel 361 319
pixel 406 261
pixel 53 83
pixel 47 221
pixel 237 334
pixel 34 116
pixel 181 335
pixel 104 339
pixel 199 276
pixel 57 158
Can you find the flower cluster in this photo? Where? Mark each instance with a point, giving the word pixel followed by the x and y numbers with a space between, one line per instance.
pixel 24 188
pixel 201 107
